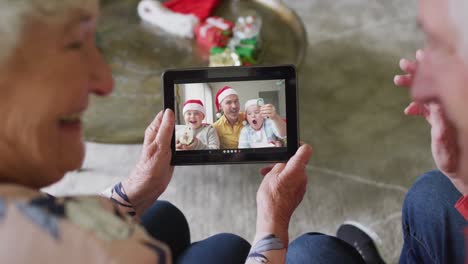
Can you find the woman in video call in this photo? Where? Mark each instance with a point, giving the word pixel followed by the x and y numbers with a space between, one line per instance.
pixel 195 135
pixel 230 124
pixel 49 66
pixel 260 132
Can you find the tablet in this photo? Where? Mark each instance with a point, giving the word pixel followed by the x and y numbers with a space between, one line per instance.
pixel 227 115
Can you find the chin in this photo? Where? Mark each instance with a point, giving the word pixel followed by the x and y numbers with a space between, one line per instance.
pixel 71 157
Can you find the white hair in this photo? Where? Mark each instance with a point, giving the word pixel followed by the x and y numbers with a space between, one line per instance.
pixel 15 13
pixel 458 13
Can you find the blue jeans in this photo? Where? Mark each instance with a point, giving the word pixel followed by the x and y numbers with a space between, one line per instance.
pixel 166 223
pixel 432 227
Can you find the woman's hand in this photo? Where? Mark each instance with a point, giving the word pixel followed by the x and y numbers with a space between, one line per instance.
pixel 280 192
pixel 153 171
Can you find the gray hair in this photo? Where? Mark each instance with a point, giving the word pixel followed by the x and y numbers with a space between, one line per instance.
pixel 14 15
pixel 458 13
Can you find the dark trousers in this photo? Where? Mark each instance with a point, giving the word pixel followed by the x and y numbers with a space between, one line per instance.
pixel 433 229
pixel 166 223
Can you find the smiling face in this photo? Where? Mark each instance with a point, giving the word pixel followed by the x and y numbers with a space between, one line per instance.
pixel 254 117
pixel 193 118
pixel 231 107
pixel 443 72
pixel 45 86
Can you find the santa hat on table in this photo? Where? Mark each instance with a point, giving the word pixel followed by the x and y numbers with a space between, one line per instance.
pixel 220 95
pixel 194 105
pixel 178 17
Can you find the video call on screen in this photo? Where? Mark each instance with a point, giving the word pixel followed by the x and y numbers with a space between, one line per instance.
pixel 200 126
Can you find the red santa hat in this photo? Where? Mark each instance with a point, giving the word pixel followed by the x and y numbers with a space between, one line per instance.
pixel 199 8
pixel 221 94
pixel 194 105
pixel 178 17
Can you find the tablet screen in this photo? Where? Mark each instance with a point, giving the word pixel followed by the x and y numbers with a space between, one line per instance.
pixel 232 114
pixel 231 117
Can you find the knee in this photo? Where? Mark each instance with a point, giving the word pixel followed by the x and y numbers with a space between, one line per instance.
pixel 431 193
pixel 221 248
pixel 430 197
pixel 231 240
pixel 163 208
pixel 313 247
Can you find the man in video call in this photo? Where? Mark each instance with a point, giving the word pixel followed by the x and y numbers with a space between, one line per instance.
pixel 230 122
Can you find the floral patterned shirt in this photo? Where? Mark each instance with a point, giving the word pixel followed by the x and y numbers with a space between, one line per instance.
pixel 39 228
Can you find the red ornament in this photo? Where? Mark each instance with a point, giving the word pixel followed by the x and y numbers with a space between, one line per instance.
pixel 214 32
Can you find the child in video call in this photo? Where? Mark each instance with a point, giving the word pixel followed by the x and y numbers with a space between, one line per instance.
pixel 259 132
pixel 195 135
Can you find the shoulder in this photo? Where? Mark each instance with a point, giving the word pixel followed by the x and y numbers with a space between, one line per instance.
pixel 207 127
pixel 217 123
pixel 245 130
pixel 50 228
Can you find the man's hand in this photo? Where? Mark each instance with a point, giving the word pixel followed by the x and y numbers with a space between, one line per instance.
pixel 153 172
pixel 444 143
pixel 280 192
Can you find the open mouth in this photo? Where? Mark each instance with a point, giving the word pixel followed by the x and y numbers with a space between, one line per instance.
pixel 193 122
pixel 254 122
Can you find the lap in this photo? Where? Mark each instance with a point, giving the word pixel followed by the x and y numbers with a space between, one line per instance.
pixel 433 229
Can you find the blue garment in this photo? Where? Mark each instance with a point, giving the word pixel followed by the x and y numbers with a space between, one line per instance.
pixel 432 227
pixel 166 223
pixel 247 134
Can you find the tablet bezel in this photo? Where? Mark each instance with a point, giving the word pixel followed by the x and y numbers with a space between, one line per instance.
pixel 236 74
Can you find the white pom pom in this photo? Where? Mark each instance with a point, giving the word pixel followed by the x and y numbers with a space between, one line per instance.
pixel 155 13
pixel 244 123
pixel 218 115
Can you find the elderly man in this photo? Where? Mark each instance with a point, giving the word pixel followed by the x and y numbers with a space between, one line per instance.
pixel 435 211
pixel 230 123
pixel 49 67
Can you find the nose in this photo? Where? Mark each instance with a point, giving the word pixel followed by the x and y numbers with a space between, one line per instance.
pixel 101 81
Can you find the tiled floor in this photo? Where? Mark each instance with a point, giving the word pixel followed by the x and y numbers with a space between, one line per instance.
pixel 367 153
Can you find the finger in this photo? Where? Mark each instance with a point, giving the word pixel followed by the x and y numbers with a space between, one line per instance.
pixel 414 109
pixel 298 162
pixel 403 80
pixel 408 66
pixel 277 168
pixel 419 55
pixel 438 118
pixel 265 170
pixel 164 136
pixel 152 129
pixel 417 109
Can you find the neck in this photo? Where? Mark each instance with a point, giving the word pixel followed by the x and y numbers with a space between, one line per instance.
pixel 232 122
pixel 15 170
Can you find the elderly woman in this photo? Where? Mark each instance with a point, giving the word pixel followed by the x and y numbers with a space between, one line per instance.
pixel 49 66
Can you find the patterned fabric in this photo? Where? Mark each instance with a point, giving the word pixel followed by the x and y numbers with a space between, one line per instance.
pixel 119 197
pixel 229 136
pixel 268 243
pixel 39 228
pixel 247 134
